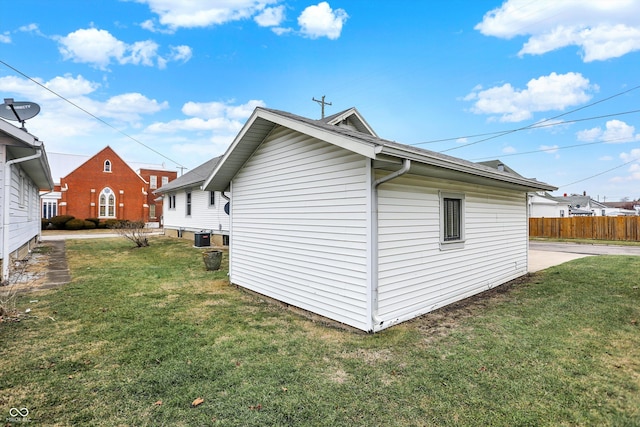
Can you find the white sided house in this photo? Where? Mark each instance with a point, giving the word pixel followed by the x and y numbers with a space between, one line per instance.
pixel 188 209
pixel 24 171
pixel 330 218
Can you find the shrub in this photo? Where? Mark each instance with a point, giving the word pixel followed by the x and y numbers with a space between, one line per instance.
pixel 89 225
pixel 110 223
pixel 134 231
pixel 74 224
pixel 44 223
pixel 96 221
pixel 59 221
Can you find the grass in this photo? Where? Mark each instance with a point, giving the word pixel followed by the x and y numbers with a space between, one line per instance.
pixel 140 334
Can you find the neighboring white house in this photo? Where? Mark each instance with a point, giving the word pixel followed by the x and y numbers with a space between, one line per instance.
pixel 188 209
pixel 334 220
pixel 24 171
pixel 544 205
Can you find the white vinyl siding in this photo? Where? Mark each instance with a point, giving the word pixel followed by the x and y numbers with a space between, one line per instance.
pixel 203 216
pixel 24 211
pixel 300 226
pixel 415 275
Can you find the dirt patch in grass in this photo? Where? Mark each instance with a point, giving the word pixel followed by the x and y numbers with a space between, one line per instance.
pixel 439 323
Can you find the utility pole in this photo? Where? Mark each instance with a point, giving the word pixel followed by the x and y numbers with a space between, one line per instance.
pixel 322 103
pixel 182 168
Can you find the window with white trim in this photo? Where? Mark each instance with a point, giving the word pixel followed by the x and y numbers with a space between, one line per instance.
pixel 172 201
pixel 107 166
pixel 153 182
pixel 188 205
pixel 212 198
pixel 165 180
pixel 107 204
pixel 451 220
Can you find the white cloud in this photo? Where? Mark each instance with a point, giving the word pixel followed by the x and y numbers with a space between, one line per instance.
pixel 321 21
pixel 92 46
pixel 615 131
pixel 601 29
pixel 176 14
pixel 5 37
pixel 219 117
pixel 100 48
pixel 554 92
pixel 180 53
pixel 509 150
pixel 605 158
pixel 634 168
pixel 270 17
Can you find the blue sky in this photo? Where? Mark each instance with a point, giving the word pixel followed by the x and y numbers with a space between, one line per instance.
pixel 552 87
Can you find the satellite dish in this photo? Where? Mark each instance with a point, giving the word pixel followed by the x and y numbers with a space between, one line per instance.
pixel 18 111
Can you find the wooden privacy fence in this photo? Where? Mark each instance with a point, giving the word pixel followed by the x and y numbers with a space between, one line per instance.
pixel 588 227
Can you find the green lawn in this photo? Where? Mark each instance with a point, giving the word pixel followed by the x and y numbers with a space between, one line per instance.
pixel 140 334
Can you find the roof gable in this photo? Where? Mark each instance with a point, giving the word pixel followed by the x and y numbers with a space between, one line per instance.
pixel 351 119
pixel 96 163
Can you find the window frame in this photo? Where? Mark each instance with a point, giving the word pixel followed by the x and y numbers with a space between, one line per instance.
pixel 153 182
pixel 449 240
pixel 107 166
pixel 109 208
pixel 188 203
pixel 212 199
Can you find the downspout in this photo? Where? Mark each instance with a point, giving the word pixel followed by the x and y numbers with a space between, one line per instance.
pixel 406 165
pixel 7 210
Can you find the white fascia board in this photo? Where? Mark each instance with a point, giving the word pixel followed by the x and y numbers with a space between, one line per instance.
pixel 465 168
pixel 352 144
pixel 231 148
pixel 18 133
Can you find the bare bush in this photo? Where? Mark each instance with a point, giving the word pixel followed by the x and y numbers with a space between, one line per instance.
pixel 134 231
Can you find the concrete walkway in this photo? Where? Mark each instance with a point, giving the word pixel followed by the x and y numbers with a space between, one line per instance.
pixel 543 255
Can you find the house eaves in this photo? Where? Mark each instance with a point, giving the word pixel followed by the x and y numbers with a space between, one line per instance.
pixel 385 154
pixel 475 172
pixel 261 124
pixel 21 144
pixel 191 179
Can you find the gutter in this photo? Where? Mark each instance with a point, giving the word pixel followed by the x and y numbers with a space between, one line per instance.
pixel 406 165
pixel 7 210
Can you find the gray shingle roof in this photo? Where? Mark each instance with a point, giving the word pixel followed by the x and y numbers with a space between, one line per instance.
pixel 193 178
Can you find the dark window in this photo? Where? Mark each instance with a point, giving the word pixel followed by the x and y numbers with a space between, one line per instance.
pixel 189 204
pixel 452 219
pixel 212 198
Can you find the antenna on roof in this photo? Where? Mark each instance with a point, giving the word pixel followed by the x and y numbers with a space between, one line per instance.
pixel 322 103
pixel 18 111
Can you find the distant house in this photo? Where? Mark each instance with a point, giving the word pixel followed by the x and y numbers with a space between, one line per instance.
pixel 24 171
pixel 106 187
pixel 330 218
pixel 544 205
pixel 188 209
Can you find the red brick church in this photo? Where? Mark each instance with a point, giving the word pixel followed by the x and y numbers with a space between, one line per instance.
pixel 106 187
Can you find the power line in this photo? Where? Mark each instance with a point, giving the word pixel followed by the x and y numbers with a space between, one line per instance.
pixel 601 173
pixel 550 149
pixel 538 125
pixel 543 121
pixel 89 113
